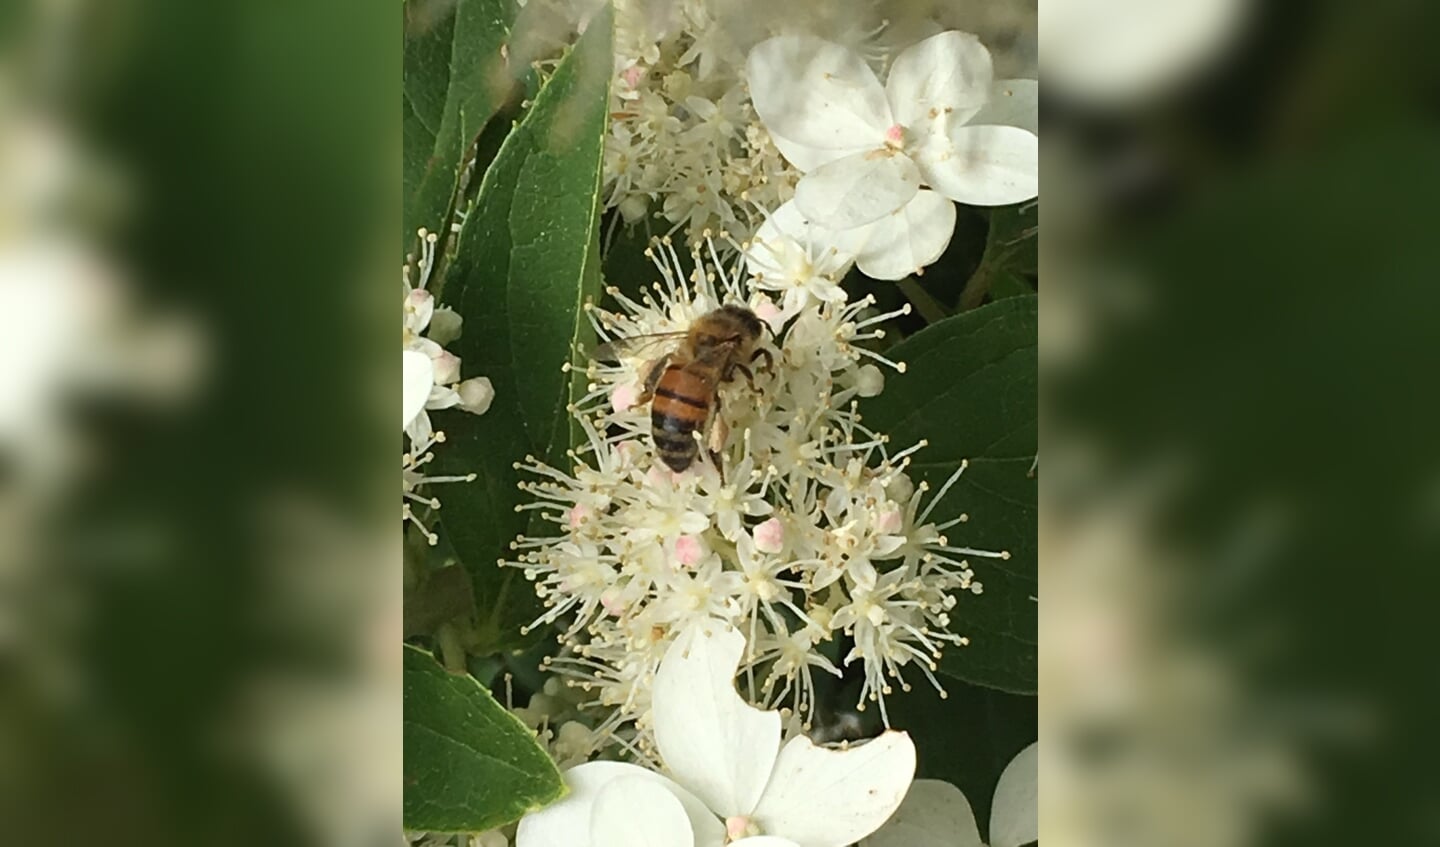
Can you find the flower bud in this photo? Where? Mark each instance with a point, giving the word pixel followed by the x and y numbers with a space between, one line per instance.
pixel 476 395
pixel 770 536
pixel 634 207
pixel 869 381
pixel 447 368
pixel 445 326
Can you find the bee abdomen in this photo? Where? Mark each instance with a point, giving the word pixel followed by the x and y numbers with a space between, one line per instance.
pixel 681 406
pixel 674 439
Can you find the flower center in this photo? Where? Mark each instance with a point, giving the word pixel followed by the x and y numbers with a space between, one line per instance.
pixel 738 827
pixel 895 137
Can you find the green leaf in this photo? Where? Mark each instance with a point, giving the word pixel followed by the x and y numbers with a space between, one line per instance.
pixel 526 262
pixel 470 764
pixel 970 390
pixel 456 78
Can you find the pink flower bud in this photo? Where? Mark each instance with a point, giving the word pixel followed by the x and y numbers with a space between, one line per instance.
pixel 624 396
pixel 688 550
pixel 770 536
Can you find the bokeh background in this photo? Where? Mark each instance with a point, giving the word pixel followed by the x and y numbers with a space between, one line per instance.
pixel 1239 467
pixel 198 613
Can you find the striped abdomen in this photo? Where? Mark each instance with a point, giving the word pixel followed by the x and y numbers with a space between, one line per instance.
pixel 681 406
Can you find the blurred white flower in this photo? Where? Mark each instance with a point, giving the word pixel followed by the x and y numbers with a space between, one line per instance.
pixel 733 782
pixel 936 813
pixel 1117 52
pixel 867 149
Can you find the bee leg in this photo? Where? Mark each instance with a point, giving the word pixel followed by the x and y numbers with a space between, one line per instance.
pixel 761 352
pixel 748 374
pixel 652 379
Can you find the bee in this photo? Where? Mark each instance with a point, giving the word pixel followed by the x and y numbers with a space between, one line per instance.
pixel 682 386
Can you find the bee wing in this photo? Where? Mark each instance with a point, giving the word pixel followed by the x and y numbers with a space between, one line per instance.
pixel 633 345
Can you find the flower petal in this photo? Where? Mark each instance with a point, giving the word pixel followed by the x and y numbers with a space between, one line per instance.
pixel 817 95
pixel 417 375
pixel 908 239
pixel 716 744
pixel 830 798
pixel 983 165
pixel 934 814
pixel 764 841
pixel 857 189
pixel 636 812
pixel 567 823
pixel 946 76
pixel 788 222
pixel 1012 102
pixel 1015 813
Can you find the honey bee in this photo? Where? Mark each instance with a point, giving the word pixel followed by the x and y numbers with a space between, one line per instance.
pixel 682 385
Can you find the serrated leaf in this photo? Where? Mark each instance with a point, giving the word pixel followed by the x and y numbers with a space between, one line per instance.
pixel 526 261
pixel 456 78
pixel 470 764
pixel 970 390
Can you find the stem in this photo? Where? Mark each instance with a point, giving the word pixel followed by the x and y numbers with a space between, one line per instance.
pixel 976 289
pixel 928 307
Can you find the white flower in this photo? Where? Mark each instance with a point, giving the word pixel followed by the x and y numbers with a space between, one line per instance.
pixel 801 261
pixel 867 149
pixel 430 379
pixel 936 814
pixel 435 383
pixel 733 781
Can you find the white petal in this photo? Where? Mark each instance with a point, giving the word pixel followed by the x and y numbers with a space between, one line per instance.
pixel 417 376
pixel 420 306
pixel 716 744
pixel 567 823
pixel 946 76
pixel 788 221
pixel 1012 102
pixel 635 812
pixel 909 239
pixel 817 94
pixel 934 814
pixel 787 247
pixel 983 165
pixel 1015 813
pixel 806 158
pixel 764 841
pixel 830 798
pixel 857 189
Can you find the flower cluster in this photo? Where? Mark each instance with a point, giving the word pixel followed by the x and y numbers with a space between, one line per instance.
pixel 430 380
pixel 685 142
pixel 813 534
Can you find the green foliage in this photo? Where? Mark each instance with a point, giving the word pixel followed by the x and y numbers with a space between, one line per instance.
pixel 470 764
pixel 970 389
pixel 526 261
pixel 455 80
